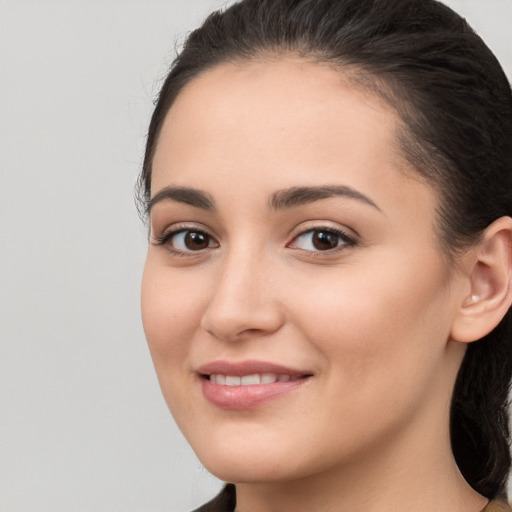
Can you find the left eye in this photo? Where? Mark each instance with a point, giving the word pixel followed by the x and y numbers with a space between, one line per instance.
pixel 190 240
pixel 321 240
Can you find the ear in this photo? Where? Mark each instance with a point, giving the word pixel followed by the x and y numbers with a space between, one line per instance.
pixel 490 284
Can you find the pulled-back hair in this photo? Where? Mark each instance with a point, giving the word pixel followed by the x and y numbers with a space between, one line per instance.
pixel 455 104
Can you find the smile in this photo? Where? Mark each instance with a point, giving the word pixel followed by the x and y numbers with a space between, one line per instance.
pixel 251 380
pixel 248 384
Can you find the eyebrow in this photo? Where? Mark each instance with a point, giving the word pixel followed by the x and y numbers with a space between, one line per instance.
pixel 298 196
pixel 190 196
pixel 281 200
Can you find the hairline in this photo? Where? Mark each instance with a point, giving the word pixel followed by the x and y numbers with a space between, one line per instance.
pixel 420 165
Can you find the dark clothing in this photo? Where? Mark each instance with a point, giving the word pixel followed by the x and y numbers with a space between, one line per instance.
pixel 226 502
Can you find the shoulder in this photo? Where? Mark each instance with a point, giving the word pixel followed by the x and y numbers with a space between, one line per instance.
pixel 224 502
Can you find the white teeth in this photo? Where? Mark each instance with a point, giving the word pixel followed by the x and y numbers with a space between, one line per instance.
pixel 251 380
pixel 247 380
pixel 268 378
pixel 232 380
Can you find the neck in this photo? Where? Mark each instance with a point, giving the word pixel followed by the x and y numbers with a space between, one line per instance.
pixel 374 485
pixel 405 475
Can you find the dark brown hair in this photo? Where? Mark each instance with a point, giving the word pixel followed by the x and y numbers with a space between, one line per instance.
pixel 456 106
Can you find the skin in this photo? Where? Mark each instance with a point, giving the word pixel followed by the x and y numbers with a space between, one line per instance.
pixel 371 322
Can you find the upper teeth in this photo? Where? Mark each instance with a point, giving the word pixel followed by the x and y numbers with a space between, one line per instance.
pixel 248 380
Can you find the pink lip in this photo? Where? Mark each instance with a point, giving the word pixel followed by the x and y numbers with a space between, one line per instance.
pixel 247 368
pixel 247 397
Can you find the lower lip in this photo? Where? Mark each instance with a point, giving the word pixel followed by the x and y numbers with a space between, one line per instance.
pixel 247 397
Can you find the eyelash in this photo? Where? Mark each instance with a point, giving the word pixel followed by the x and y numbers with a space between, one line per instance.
pixel 346 241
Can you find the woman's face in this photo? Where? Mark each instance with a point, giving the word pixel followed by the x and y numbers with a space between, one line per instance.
pixel 295 301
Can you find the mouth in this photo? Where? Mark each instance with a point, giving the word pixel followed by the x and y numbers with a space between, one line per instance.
pixel 247 385
pixel 250 380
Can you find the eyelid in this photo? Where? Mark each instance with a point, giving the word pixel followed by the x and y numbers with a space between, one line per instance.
pixel 175 227
pixel 324 224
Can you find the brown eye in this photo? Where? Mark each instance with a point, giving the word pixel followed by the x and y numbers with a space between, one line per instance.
pixel 189 240
pixel 323 240
pixel 195 241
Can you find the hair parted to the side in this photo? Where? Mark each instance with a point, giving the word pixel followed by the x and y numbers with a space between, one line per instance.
pixel 456 106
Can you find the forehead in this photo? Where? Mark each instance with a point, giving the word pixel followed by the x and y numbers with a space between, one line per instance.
pixel 288 122
pixel 274 95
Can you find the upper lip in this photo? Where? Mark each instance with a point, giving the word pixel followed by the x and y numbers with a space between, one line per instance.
pixel 242 368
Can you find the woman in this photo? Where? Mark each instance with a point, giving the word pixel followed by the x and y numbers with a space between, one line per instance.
pixel 327 288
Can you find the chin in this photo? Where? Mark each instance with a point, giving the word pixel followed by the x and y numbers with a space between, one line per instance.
pixel 236 472
pixel 242 469
pixel 247 460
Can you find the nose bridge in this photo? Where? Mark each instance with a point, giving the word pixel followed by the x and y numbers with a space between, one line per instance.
pixel 243 301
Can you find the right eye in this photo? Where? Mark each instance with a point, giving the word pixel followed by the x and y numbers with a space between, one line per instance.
pixel 188 241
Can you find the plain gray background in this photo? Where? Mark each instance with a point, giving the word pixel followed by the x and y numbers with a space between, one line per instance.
pixel 82 424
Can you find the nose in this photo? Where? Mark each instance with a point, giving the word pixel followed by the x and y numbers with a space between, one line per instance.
pixel 244 301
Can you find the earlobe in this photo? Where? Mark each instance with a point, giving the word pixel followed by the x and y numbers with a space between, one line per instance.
pixel 490 278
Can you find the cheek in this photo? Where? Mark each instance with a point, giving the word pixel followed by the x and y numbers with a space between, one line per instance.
pixel 171 311
pixel 171 307
pixel 374 323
